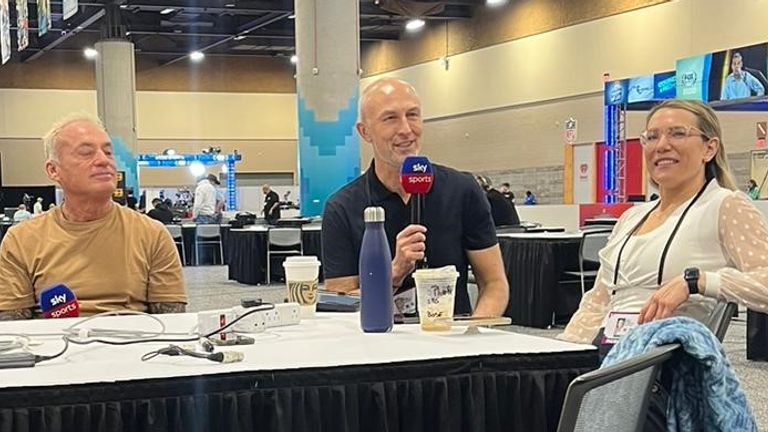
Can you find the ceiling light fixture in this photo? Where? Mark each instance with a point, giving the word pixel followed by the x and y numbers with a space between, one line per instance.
pixel 414 24
pixel 294 59
pixel 90 53
pixel 495 3
pixel 238 37
pixel 292 16
pixel 196 56
pixel 166 11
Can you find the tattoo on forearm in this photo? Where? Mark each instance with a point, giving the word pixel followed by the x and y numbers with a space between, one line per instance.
pixel 16 314
pixel 162 308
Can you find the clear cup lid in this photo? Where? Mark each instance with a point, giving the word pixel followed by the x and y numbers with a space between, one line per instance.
pixel 446 272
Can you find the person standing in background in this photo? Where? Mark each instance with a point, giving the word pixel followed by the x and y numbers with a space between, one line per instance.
pixel 507 192
pixel 204 209
pixel 502 210
pixel 271 204
pixel 38 207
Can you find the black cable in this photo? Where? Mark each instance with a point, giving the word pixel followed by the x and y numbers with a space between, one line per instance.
pixel 42 358
pixel 266 307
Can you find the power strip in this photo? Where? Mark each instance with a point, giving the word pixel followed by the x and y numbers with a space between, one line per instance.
pixel 283 314
pixel 17 360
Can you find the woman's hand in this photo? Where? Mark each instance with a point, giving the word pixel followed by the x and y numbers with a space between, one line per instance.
pixel 664 301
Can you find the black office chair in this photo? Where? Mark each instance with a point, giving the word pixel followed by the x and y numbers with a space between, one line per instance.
pixel 614 398
pixel 720 318
pixel 592 242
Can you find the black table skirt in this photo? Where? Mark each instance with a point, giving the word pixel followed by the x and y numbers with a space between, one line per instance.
pixel 533 268
pixel 247 257
pixel 246 254
pixel 490 393
pixel 757 336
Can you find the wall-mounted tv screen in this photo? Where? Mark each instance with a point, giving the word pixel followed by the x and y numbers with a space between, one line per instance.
pixel 664 85
pixel 739 73
pixel 640 89
pixel 616 92
pixel 692 76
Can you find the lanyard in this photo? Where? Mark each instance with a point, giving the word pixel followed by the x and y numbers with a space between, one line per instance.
pixel 669 241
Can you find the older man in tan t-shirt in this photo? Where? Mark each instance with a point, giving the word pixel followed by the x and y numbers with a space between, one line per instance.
pixel 111 257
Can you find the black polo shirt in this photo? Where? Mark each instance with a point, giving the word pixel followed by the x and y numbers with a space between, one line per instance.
pixel 456 213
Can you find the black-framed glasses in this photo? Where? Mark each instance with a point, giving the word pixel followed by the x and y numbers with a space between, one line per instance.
pixel 674 134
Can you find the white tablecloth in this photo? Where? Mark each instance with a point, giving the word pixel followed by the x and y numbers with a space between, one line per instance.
pixel 325 341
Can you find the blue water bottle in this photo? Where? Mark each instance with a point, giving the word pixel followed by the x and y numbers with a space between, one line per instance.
pixel 375 272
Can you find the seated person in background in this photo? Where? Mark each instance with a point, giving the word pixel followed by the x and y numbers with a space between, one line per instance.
pixel 456 225
pixel 502 209
pixel 752 190
pixel 21 214
pixel 161 212
pixel 699 242
pixel 111 257
pixel 530 198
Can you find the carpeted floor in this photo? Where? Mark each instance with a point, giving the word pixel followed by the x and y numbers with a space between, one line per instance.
pixel 209 289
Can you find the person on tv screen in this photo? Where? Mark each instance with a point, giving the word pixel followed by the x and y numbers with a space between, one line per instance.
pixel 740 83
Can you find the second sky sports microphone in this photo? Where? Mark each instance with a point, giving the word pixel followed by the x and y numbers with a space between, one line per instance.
pixel 59 301
pixel 417 178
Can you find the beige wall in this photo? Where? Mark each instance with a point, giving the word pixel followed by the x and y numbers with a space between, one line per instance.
pixel 262 127
pixel 503 106
pixel 498 107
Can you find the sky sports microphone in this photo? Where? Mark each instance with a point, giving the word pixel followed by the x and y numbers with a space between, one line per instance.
pixel 416 178
pixel 59 301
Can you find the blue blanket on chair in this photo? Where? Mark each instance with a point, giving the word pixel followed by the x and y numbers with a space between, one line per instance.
pixel 705 394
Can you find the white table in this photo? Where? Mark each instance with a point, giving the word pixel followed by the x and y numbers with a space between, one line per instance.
pixel 324 370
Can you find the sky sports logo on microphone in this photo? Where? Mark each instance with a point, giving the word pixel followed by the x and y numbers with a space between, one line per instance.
pixel 59 302
pixel 416 175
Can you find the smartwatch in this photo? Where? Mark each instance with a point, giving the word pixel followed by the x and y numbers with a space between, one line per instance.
pixel 691 276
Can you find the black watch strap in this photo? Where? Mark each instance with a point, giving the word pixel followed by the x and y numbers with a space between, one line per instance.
pixel 691 276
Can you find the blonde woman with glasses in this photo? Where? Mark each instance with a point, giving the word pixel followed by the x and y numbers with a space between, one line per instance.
pixel 701 241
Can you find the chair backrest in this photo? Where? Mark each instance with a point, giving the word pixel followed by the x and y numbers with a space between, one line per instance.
pixel 208 231
pixel 175 231
pixel 720 318
pixel 592 242
pixel 614 398
pixel 284 237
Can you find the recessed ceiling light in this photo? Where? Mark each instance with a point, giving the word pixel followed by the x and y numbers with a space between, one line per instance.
pixel 292 16
pixel 239 37
pixel 90 53
pixel 229 5
pixel 414 24
pixel 494 3
pixel 166 11
pixel 294 59
pixel 196 56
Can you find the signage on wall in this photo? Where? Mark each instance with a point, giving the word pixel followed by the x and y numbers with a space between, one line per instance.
pixel 571 130
pixel 584 172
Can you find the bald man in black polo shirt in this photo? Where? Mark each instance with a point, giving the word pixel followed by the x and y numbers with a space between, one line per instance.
pixel 457 226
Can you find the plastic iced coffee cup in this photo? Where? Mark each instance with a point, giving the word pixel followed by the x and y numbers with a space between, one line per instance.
pixel 301 274
pixel 435 296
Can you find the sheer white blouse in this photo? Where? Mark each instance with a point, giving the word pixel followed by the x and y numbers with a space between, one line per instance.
pixel 723 234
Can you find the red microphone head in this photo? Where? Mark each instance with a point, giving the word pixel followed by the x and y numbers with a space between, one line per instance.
pixel 59 301
pixel 416 175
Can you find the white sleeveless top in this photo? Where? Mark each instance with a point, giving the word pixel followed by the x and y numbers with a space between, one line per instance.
pixel 638 269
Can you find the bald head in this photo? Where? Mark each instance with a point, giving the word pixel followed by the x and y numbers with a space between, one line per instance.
pixel 380 90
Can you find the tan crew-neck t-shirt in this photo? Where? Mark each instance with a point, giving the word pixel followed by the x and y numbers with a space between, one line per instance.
pixel 122 261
